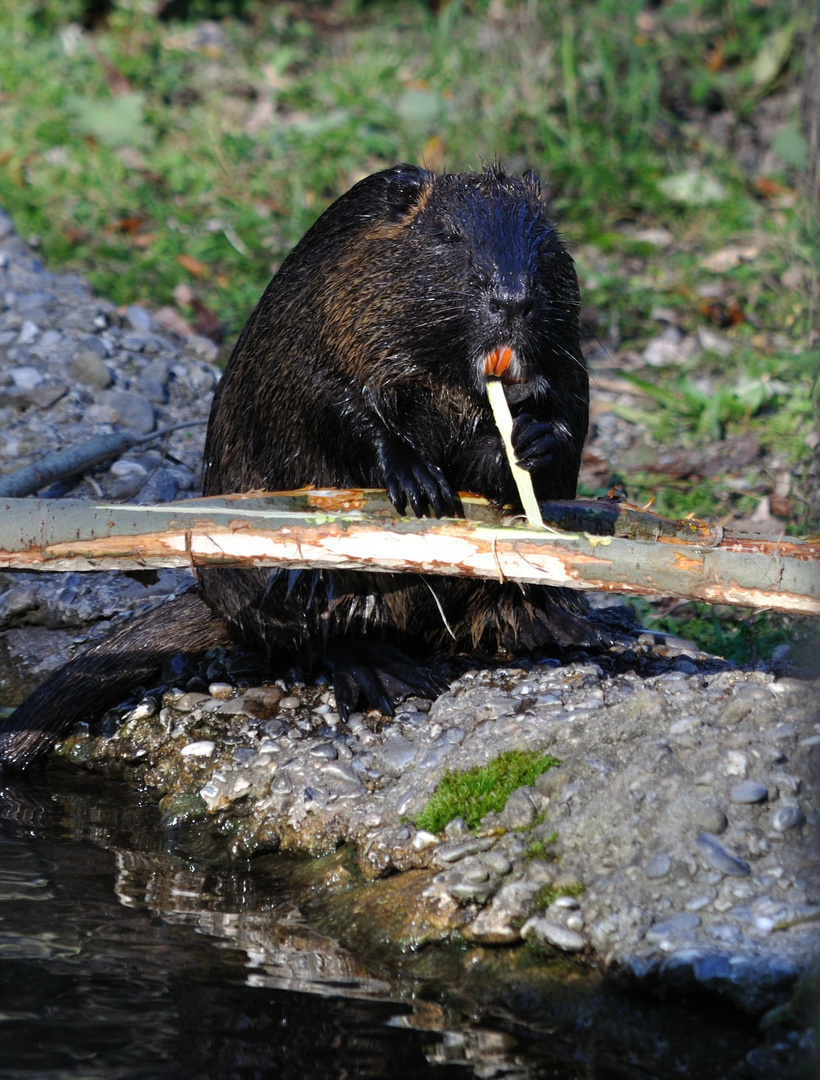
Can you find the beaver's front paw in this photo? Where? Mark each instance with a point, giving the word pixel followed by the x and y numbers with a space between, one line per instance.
pixel 537 443
pixel 410 479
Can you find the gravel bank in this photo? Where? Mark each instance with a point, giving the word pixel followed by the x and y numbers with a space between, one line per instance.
pixel 676 843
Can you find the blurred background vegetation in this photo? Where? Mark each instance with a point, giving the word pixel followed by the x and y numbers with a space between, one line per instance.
pixel 174 151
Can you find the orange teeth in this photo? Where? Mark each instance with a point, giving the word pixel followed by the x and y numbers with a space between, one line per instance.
pixel 497 361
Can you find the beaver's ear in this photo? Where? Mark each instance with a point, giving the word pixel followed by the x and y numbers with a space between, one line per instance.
pixel 403 186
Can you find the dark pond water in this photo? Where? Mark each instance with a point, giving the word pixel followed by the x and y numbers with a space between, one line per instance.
pixel 129 951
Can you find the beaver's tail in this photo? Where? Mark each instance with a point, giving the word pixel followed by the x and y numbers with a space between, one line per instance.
pixel 105 673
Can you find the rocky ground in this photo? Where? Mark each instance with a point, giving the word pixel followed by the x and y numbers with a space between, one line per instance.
pixel 675 844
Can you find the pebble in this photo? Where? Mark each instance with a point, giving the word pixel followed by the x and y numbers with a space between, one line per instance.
pixel 146 708
pixel 396 755
pixel 718 857
pixel 188 702
pixel 711 819
pixel 748 792
pixel 26 378
pixel 456 829
pixel 787 817
pixel 552 933
pixel 203 748
pixel 450 853
pixel 87 367
pixel 132 411
pixel 699 901
pixel 474 870
pixel 658 866
pixel 290 702
pixel 736 763
pixel 679 924
pixel 423 840
pixel 497 862
pixel 323 751
pixel 220 690
pixel 565 903
pixel 139 318
pixel 340 770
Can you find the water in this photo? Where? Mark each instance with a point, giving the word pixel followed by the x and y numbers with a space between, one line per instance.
pixel 127 951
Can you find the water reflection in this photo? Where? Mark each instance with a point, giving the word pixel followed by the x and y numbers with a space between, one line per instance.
pixel 126 951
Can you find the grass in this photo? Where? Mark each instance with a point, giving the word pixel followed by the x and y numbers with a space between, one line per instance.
pixel 473 793
pixel 746 638
pixel 150 154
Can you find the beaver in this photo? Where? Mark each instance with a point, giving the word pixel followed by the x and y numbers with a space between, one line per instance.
pixel 363 365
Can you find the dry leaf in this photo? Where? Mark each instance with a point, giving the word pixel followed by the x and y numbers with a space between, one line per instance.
pixel 729 257
pixel 194 266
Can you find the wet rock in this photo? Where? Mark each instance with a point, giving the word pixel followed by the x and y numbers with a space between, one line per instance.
pixel 450 853
pixel 395 755
pixel 203 748
pixel 550 933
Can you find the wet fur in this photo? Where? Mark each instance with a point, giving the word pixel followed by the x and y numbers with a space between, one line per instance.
pixel 365 354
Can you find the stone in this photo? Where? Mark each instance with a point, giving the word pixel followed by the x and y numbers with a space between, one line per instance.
pixel 520 810
pixel 220 690
pixel 139 319
pixel 451 853
pixel 718 857
pixel 203 748
pixel 658 866
pixel 711 819
pixel 86 367
pixel 787 817
pixel 674 927
pixel 551 933
pixel 749 792
pixel 187 702
pixel 323 751
pixel 26 378
pixel 133 411
pixel 395 755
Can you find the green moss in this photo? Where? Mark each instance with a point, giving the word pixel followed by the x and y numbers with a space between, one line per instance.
pixel 473 793
pixel 549 893
pixel 540 849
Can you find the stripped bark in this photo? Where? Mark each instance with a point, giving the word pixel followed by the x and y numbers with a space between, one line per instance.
pixel 614 548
